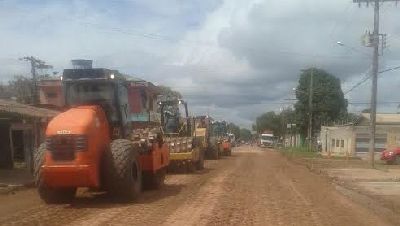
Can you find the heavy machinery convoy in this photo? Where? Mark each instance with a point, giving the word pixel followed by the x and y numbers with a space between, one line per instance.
pixel 221 136
pixel 206 135
pixel 108 139
pixel 179 131
pixel 120 135
pixel 214 138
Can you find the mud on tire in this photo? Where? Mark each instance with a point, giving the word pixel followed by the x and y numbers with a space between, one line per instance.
pixel 49 195
pixel 122 171
pixel 214 153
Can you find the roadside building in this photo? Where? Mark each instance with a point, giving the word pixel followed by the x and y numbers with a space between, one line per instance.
pixel 144 110
pixel 50 93
pixel 21 131
pixel 353 139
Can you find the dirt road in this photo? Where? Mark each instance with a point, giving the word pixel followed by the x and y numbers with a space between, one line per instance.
pixel 252 187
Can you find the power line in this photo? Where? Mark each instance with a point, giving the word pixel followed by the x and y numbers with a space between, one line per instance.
pixel 367 77
pixel 358 83
pixel 375 70
pixel 380 102
pixel 161 37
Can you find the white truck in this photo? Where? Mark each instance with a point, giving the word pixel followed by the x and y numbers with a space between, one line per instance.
pixel 267 140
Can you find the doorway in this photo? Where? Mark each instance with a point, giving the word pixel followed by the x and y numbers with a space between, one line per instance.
pixel 18 148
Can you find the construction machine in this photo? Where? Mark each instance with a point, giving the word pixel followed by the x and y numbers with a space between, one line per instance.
pixel 180 134
pixel 100 142
pixel 221 137
pixel 209 143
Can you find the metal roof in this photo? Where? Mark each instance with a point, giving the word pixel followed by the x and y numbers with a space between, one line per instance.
pixel 26 110
pixel 384 119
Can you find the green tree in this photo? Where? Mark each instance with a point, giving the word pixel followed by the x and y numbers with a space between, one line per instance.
pixel 245 134
pixel 232 128
pixel 21 87
pixel 268 121
pixel 328 102
pixel 277 123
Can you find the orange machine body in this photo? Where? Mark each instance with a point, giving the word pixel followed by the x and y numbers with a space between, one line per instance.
pixel 157 158
pixel 77 139
pixel 81 168
pixel 75 142
pixel 226 145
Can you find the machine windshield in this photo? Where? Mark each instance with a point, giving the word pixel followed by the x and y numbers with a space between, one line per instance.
pixel 93 93
pixel 265 137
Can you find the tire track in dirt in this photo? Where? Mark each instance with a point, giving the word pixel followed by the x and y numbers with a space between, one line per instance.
pixel 198 209
pixel 150 210
pixel 266 189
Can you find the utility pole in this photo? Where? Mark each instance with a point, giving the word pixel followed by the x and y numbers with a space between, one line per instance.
pixel 375 68
pixel 35 64
pixel 310 109
pixel 374 87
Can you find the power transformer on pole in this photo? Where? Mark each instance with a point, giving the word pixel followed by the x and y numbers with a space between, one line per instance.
pixel 374 43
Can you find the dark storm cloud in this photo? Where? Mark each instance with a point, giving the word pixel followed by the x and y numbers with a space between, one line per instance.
pixel 277 43
pixel 288 43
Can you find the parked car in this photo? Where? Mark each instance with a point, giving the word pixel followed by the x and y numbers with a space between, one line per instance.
pixel 391 156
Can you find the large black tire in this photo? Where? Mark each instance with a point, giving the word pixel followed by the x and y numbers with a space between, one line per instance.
pixel 47 194
pixel 159 179
pixel 38 161
pixel 215 153
pixel 154 180
pixel 122 171
pixel 200 163
pixel 190 167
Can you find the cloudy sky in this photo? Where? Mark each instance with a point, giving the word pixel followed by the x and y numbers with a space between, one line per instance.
pixel 233 59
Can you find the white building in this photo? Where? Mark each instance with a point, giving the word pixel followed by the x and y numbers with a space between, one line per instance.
pixel 353 139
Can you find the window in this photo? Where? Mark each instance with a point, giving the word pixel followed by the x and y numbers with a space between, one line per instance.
pixel 51 95
pixel 333 143
pixel 337 143
pixel 342 143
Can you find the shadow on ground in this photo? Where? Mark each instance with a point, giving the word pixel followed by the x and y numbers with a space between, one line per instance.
pixel 102 200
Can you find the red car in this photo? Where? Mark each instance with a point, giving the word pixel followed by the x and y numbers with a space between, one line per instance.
pixel 391 156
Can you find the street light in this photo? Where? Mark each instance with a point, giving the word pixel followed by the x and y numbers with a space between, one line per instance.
pixel 339 43
pixel 300 91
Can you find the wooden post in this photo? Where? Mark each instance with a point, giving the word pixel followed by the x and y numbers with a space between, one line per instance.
pixel 11 145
